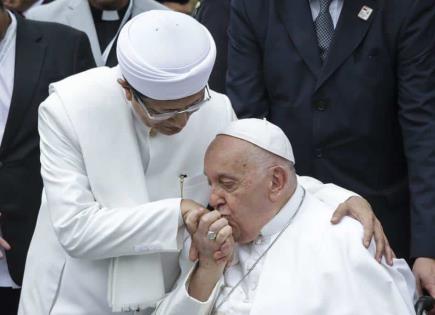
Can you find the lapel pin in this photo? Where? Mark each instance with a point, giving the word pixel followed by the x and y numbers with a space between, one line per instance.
pixel 365 13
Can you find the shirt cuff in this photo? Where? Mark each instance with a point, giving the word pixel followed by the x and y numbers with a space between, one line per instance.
pixel 194 306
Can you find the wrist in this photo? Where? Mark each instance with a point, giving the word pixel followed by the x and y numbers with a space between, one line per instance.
pixel 210 266
pixel 203 280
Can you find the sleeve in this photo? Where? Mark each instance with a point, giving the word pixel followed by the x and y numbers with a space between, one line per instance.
pixel 85 228
pixel 330 194
pixel 179 301
pixel 245 84
pixel 83 58
pixel 416 100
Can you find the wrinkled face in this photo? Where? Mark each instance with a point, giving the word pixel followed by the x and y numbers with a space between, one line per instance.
pixel 239 187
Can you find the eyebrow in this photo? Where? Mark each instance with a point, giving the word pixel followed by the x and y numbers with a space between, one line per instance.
pixel 220 176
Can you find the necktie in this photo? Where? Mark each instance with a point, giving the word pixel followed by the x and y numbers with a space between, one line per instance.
pixel 324 28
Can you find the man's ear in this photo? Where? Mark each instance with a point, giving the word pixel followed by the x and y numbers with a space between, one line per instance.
pixel 127 89
pixel 278 182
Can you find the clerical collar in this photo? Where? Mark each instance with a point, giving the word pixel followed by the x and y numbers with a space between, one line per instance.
pixel 108 15
pixel 282 218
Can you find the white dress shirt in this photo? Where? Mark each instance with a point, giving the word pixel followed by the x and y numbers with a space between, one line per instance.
pixel 7 64
pixel 334 9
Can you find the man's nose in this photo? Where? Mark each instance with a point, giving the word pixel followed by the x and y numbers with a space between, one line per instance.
pixel 216 200
pixel 180 120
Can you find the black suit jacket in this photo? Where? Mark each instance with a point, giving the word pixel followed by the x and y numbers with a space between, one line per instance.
pixel 45 53
pixel 215 15
pixel 364 120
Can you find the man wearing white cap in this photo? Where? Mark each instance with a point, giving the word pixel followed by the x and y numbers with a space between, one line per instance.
pixel 289 258
pixel 122 159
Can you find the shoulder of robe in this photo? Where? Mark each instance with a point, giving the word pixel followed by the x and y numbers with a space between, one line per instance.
pixel 52 10
pixel 94 89
pixel 217 111
pixel 314 220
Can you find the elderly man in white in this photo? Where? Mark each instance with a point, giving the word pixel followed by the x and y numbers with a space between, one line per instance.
pixel 122 152
pixel 289 258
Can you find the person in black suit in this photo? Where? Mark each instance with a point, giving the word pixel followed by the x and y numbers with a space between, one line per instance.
pixel 215 15
pixel 32 54
pixel 352 84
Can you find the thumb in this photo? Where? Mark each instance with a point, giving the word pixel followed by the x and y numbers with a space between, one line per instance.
pixel 418 284
pixel 193 253
pixel 431 290
pixel 339 213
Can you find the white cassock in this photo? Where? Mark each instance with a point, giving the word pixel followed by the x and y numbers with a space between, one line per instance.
pixel 313 268
pixel 111 190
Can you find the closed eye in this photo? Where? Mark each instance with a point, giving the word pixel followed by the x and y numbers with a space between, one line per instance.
pixel 228 185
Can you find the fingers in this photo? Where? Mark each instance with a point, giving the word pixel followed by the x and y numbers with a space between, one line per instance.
pixel 431 290
pixel 223 234
pixel 418 285
pixel 206 220
pixel 359 209
pixel 5 245
pixel 217 225
pixel 187 205
pixel 370 230
pixel 380 240
pixel 192 217
pixel 339 213
pixel 389 253
pixel 193 252
pixel 226 249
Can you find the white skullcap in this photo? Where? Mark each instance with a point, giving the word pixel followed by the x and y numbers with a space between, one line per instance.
pixel 263 134
pixel 165 55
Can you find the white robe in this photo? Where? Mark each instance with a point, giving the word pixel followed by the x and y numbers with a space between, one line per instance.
pixel 313 268
pixel 100 201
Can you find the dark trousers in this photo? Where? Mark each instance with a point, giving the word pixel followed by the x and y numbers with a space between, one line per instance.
pixel 9 299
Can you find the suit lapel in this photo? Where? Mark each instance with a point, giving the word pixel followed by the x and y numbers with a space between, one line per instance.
pixel 348 34
pixel 80 17
pixel 29 57
pixel 297 19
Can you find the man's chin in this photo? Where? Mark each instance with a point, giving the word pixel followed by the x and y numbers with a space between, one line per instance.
pixel 169 131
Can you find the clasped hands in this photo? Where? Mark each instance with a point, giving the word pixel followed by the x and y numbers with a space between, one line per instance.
pixel 199 221
pixel 212 239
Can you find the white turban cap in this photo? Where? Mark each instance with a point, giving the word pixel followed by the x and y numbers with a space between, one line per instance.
pixel 263 134
pixel 165 55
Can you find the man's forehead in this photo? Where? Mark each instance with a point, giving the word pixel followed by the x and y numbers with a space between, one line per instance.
pixel 227 152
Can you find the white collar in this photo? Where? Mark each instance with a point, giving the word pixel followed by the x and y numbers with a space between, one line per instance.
pixel 280 220
pixel 9 37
